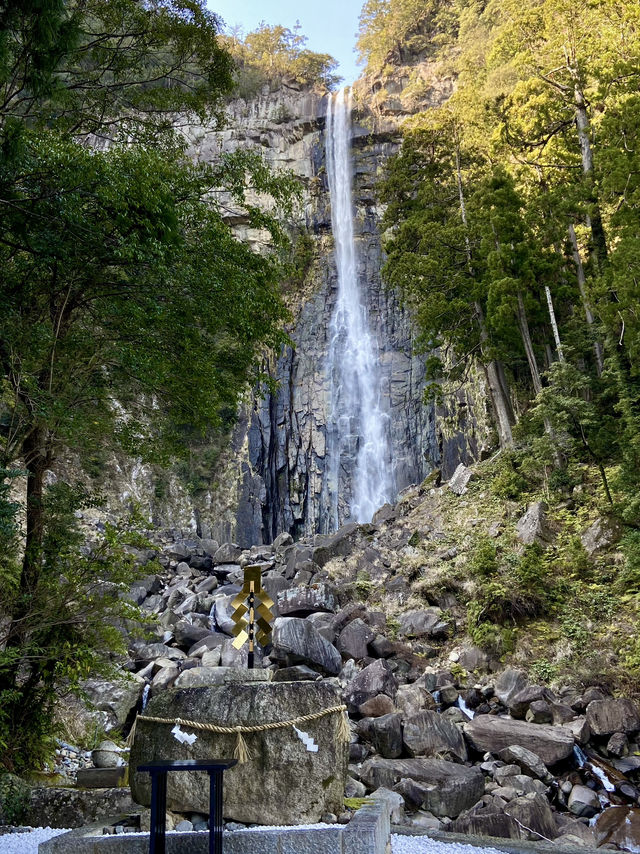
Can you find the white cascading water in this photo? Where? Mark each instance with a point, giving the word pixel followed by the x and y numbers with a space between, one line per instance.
pixel 358 425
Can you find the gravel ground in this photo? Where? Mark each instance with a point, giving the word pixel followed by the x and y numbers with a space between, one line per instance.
pixel 424 845
pixel 27 843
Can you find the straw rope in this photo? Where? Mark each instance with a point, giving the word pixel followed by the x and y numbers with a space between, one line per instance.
pixel 241 751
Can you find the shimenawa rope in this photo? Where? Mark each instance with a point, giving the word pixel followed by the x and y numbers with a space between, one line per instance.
pixel 241 751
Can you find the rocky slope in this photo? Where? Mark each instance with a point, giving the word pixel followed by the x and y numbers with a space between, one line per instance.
pixel 463 740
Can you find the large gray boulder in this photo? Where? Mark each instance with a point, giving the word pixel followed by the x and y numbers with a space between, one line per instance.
pixel 533 813
pixel 300 601
pixel 419 624
pixel 509 683
pixel 339 544
pixel 430 734
pixel 608 716
pixel 282 783
pixel 534 527
pixel 601 536
pixel 375 679
pixel 492 733
pixel 296 641
pixel 447 789
pixel 116 699
pixel 354 639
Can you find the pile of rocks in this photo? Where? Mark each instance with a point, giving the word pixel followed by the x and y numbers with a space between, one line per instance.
pixel 502 757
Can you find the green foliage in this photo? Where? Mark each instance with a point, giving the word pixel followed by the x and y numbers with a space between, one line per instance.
pixel 363 585
pixel 274 53
pixel 511 588
pixel 87 66
pixel 14 799
pixel 69 626
pixel 509 483
pixel 513 237
pixel 131 317
pixel 299 263
pixel 628 581
pixel 484 562
pixel 394 31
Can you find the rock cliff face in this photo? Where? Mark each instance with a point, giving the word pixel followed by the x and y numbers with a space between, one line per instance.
pixel 274 477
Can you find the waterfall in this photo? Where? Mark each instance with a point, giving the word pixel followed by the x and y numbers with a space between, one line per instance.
pixel 358 450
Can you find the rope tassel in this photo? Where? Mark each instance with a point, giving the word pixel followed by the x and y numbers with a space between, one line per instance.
pixel 132 734
pixel 241 751
pixel 344 731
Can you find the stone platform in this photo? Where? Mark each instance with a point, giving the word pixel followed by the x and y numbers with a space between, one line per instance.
pixel 368 832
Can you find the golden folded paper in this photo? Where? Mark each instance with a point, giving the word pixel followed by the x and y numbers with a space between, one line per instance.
pixel 252 610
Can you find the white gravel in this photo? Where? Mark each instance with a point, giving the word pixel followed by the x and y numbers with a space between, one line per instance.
pixel 27 843
pixel 423 845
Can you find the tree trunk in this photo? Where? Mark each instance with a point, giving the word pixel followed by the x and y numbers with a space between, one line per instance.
pixel 554 323
pixel 595 218
pixel 525 334
pixel 501 405
pixel 575 251
pixel 36 460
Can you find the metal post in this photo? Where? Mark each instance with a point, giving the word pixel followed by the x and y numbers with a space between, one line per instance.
pixel 251 626
pixel 157 841
pixel 215 811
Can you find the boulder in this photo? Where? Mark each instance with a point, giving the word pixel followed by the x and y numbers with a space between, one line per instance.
pixel 283 782
pixel 296 673
pixel 519 703
pixel 386 734
pixel 296 641
pixel 413 698
pixel 377 706
pixel 618 745
pixel 533 527
pixel 354 639
pixel 430 734
pixel 460 479
pixel 300 601
pixel 509 683
pixel 533 813
pixel 375 679
pixel 394 802
pixel 600 536
pixel 492 733
pixel 51 807
pixel 448 789
pixel 539 712
pixel 143 653
pixel 227 553
pixel 339 544
pixel 223 611
pixel 419 624
pixel 619 826
pixel 497 824
pixel 529 762
pixel 187 633
pixel 608 716
pixel 116 699
pixel 583 801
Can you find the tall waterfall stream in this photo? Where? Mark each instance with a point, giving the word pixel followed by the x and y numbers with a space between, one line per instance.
pixel 358 426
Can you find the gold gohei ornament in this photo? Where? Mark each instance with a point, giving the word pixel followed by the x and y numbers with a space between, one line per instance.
pixel 252 613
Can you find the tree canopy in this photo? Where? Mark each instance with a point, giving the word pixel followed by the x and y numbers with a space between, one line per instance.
pixel 512 223
pixel 131 315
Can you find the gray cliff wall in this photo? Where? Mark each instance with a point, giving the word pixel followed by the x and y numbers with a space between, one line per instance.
pixel 273 477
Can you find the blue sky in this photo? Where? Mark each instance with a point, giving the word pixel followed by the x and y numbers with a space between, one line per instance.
pixel 330 25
